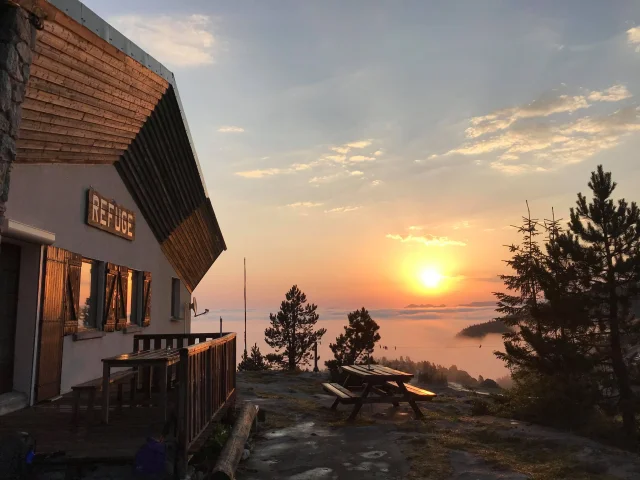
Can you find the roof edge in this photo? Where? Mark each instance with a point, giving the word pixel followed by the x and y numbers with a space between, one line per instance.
pixel 92 21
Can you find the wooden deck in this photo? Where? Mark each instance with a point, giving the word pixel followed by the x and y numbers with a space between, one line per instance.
pixel 59 440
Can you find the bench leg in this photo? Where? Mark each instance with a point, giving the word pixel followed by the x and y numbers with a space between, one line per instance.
pixel 411 402
pixel 76 405
pixel 335 403
pixel 358 405
pixel 90 403
pixel 132 393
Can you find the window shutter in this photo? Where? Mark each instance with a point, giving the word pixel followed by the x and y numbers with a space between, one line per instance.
pixel 121 301
pixel 110 298
pixel 72 292
pixel 146 299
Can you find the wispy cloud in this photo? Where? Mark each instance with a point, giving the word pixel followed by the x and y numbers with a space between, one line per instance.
pixel 359 144
pixel 326 178
pixel 377 153
pixel 356 173
pixel 230 129
pixel 611 94
pixel 633 37
pixel 304 205
pixel 460 225
pixel 428 240
pixel 376 183
pixel 342 209
pixel 361 158
pixel 268 172
pixel 415 228
pixel 525 141
pixel 181 41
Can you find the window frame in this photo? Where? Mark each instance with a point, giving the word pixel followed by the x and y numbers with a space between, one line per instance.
pixel 96 284
pixel 136 296
pixel 176 287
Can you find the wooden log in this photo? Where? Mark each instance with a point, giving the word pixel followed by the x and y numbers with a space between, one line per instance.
pixel 232 452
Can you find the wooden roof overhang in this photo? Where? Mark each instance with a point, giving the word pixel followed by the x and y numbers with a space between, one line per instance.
pixel 89 102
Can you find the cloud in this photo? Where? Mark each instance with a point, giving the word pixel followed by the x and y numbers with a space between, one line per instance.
pixel 342 209
pixel 377 153
pixel 180 41
pixel 523 140
pixel 460 225
pixel 360 144
pixel 326 178
pixel 428 240
pixel 489 303
pixel 633 37
pixel 268 172
pixel 360 158
pixel 356 173
pixel 341 150
pixel 375 183
pixel 416 227
pixel 230 129
pixel 304 205
pixel 611 94
pixel 301 166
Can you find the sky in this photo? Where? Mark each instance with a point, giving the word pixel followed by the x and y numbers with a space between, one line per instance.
pixel 350 147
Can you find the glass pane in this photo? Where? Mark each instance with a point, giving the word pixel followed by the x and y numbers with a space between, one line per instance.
pixel 86 314
pixel 129 295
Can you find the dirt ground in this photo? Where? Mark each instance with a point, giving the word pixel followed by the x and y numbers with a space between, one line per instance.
pixel 302 439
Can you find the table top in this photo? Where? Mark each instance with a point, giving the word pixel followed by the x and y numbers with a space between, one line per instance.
pixel 377 372
pixel 164 356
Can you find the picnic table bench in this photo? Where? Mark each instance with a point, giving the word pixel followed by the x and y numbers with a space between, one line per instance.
pixel 391 386
pixel 96 385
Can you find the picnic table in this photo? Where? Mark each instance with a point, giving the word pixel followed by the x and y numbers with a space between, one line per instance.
pixel 161 359
pixel 391 386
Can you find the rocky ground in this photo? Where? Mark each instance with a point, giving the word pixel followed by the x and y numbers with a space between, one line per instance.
pixel 302 439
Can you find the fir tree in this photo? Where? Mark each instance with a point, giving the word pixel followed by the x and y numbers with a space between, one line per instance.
pixel 358 340
pixel 604 246
pixel 292 333
pixel 254 362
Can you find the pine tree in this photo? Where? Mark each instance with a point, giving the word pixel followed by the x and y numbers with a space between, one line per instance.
pixel 604 245
pixel 292 332
pixel 254 362
pixel 358 340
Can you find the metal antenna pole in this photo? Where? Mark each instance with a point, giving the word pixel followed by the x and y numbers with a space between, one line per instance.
pixel 245 306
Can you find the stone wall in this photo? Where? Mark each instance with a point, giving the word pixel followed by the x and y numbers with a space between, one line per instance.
pixel 17 41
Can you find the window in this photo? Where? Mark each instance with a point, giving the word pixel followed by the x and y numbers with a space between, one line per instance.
pixel 134 298
pixel 129 283
pixel 87 299
pixel 175 298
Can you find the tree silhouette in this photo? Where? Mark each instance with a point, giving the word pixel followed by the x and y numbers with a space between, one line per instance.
pixel 292 333
pixel 253 362
pixel 358 340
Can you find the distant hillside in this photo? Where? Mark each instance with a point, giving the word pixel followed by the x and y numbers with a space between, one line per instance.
pixel 481 330
pixel 490 303
pixel 424 305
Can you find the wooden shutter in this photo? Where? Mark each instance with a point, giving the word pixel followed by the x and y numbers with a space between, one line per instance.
pixel 52 324
pixel 146 299
pixel 110 297
pixel 72 292
pixel 121 301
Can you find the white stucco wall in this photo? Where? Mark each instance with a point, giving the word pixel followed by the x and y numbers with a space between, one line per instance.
pixel 53 198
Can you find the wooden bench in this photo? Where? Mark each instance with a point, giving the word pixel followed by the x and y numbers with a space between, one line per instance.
pixel 415 392
pixel 93 386
pixel 343 395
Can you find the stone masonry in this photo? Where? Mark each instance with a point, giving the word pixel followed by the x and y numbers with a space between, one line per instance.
pixel 17 41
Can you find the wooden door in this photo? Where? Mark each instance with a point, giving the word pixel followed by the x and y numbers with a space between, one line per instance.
pixel 52 324
pixel 9 278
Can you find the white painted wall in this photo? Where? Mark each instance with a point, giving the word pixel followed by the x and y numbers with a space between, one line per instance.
pixel 53 198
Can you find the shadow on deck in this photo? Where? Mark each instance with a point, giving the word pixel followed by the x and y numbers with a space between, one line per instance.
pixel 58 439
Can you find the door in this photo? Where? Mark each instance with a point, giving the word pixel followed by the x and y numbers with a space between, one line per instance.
pixel 9 277
pixel 52 325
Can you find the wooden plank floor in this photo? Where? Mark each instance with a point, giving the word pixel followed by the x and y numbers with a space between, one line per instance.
pixel 51 425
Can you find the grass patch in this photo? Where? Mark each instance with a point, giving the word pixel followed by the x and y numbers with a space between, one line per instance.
pixel 263 394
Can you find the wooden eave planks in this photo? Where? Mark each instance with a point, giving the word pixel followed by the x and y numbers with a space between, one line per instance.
pixel 85 100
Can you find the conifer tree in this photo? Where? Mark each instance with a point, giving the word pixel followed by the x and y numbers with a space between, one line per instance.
pixel 292 333
pixel 358 340
pixel 253 362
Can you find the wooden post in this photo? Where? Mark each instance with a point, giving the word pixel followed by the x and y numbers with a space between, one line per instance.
pixel 315 360
pixel 232 452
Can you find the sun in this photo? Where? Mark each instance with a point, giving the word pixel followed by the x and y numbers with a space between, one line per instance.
pixel 430 278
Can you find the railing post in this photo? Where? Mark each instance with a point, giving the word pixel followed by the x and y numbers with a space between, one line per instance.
pixel 183 412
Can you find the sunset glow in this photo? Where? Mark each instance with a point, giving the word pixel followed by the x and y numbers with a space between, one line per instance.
pixel 431 278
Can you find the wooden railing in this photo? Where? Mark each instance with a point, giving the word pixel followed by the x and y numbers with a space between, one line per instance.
pixel 206 382
pixel 206 389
